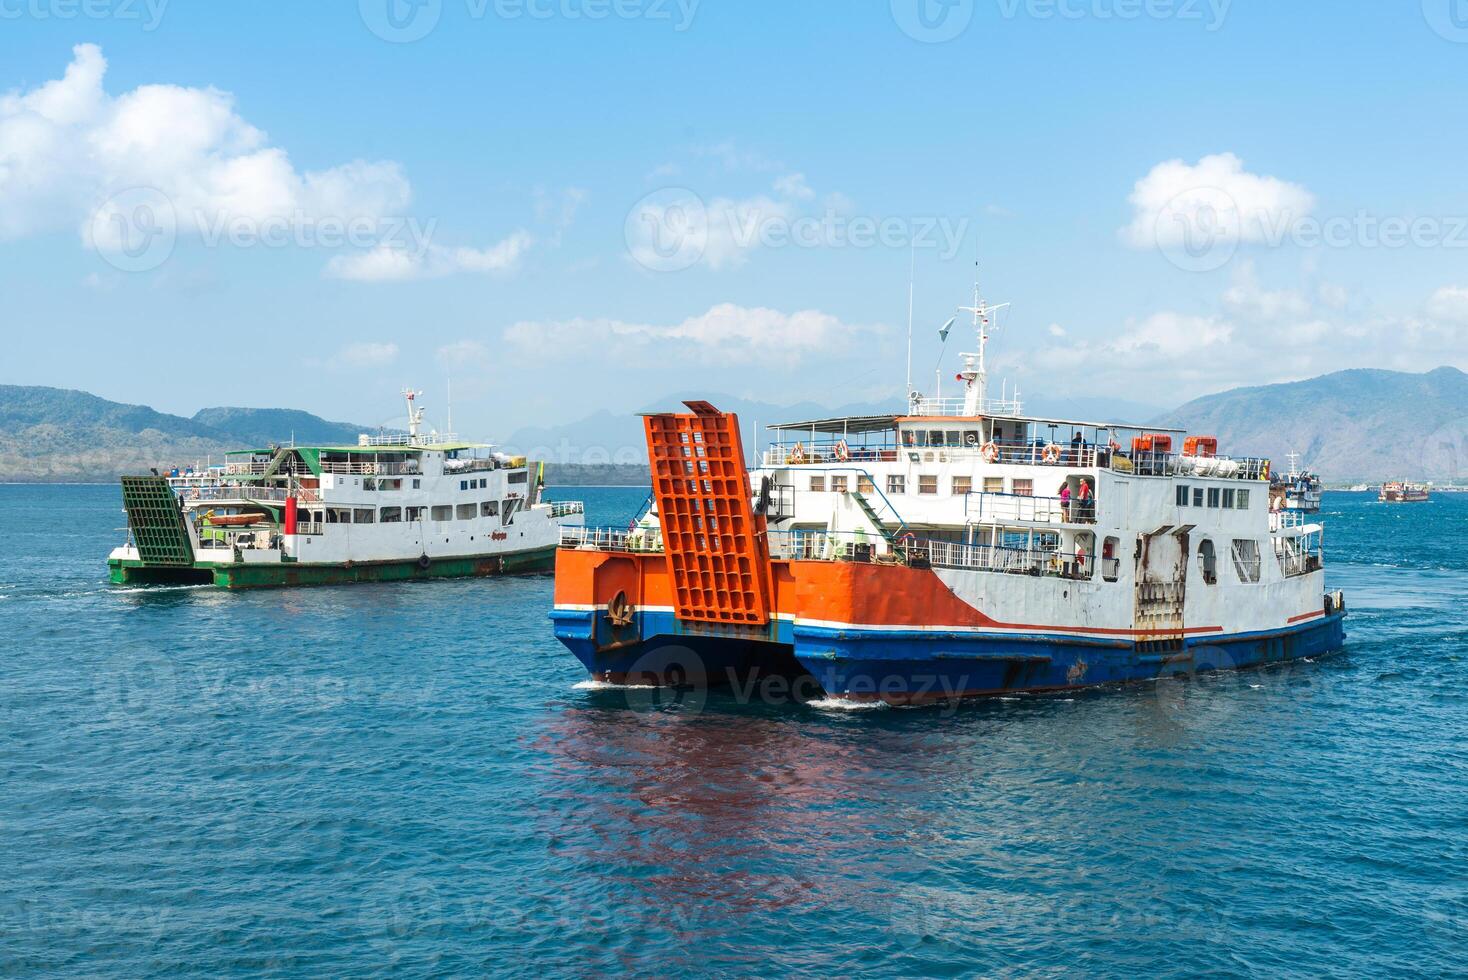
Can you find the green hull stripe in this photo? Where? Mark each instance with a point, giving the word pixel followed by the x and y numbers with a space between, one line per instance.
pixel 241 575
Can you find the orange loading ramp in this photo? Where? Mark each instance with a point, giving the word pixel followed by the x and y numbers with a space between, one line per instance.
pixel 716 546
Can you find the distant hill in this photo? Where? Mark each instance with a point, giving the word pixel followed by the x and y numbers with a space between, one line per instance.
pixel 1352 425
pixel 262 426
pixel 53 434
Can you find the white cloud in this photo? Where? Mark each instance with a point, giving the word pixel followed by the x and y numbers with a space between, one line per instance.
pixel 68 150
pixel 1177 203
pixel 389 263
pixel 1246 297
pixel 367 355
pixel 462 353
pixel 726 333
pixel 1449 303
pixel 794 186
pixel 1055 330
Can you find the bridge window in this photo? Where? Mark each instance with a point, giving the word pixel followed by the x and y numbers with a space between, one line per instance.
pixel 413 513
pixel 818 484
pixel 1197 496
pixel 927 483
pixel 993 484
pixel 363 515
pixel 1183 495
pixel 1228 499
pixel 490 508
pixel 1110 564
pixel 519 476
pixel 896 483
pixel 442 513
pixel 864 484
pixel 1241 499
pixel 962 485
pixel 1023 488
pixel 466 512
pixel 838 484
pixel 390 515
pixel 1213 495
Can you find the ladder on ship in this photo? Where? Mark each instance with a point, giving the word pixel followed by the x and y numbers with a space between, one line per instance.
pixel 871 512
pixel 716 546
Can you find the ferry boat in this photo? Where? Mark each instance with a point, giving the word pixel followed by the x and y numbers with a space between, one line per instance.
pixel 392 507
pixel 1302 489
pixel 1402 492
pixel 960 548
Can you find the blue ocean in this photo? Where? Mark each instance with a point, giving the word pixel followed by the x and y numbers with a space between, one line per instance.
pixel 417 779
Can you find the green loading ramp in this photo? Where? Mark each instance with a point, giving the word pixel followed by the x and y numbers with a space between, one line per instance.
pixel 156 521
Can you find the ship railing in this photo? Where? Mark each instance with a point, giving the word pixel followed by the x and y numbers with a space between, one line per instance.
pixel 565 508
pixel 257 468
pixel 373 468
pixel 1047 562
pixel 981 506
pixel 959 407
pixel 1145 463
pixel 637 540
pixel 232 492
pixel 403 439
pixel 826 452
pixel 1280 520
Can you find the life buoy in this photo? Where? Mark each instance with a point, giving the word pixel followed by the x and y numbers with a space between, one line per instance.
pixel 1051 453
pixel 424 562
pixel 843 451
pixel 989 451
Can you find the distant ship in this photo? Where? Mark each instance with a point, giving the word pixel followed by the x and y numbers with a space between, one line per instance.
pixel 390 508
pixel 1360 488
pixel 1402 492
pixel 1302 489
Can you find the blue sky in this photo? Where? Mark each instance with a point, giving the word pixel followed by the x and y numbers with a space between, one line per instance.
pixel 1176 197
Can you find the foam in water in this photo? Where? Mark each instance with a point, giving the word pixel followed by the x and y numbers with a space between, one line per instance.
pixel 841 704
pixel 591 685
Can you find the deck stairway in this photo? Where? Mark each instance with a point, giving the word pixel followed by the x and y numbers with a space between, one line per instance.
pixel 877 523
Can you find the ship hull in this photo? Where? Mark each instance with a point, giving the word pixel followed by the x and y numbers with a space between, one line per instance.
pixel 915 666
pixel 264 575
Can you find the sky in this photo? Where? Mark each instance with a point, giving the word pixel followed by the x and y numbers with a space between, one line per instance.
pixel 560 207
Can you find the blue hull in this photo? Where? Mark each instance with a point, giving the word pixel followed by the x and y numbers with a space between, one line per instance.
pixel 916 666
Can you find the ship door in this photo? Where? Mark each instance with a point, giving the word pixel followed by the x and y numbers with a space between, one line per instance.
pixel 1161 586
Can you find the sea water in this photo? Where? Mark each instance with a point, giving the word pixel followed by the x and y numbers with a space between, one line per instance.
pixel 417 778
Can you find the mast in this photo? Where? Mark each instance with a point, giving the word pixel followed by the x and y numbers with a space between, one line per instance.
pixel 415 415
pixel 975 372
pixel 911 270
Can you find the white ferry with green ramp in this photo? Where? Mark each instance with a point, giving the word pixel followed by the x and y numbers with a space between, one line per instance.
pixel 393 507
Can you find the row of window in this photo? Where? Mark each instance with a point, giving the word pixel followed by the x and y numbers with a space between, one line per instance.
pixel 397 515
pixel 926 484
pixel 520 476
pixel 1225 498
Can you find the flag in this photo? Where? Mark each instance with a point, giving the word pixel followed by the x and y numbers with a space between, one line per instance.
pixel 943 331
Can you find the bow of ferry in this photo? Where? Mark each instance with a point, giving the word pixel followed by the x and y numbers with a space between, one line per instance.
pixel 925 556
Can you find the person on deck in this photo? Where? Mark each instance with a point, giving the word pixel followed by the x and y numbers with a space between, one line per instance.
pixel 1065 502
pixel 1087 509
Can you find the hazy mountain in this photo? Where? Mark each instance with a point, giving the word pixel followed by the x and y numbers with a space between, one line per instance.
pixel 1351 425
pixel 53 434
pixel 263 426
pixel 1363 424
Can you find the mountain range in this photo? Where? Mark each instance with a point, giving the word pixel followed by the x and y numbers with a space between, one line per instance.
pixel 1352 425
